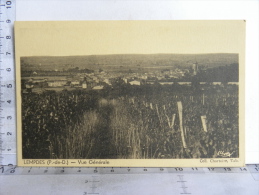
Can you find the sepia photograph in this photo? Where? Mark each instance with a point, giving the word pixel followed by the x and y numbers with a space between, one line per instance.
pixel 130 93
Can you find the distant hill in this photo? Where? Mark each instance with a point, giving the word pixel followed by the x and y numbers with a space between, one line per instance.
pixel 127 61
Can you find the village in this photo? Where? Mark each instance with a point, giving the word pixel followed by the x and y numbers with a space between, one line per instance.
pixel 97 80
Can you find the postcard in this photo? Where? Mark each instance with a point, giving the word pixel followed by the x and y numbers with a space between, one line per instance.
pixel 130 93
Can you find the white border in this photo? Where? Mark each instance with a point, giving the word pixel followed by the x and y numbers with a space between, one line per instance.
pixel 39 10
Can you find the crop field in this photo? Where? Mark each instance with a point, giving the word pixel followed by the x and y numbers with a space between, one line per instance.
pixel 137 122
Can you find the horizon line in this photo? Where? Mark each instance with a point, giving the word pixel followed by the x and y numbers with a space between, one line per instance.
pixel 130 54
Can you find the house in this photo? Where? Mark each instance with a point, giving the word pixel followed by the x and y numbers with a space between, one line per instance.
pixel 135 82
pixel 166 83
pixel 107 81
pixel 98 87
pixel 84 85
pixel 57 83
pixel 184 83
pixel 75 82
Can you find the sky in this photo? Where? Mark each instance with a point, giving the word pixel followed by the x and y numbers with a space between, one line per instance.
pixel 66 38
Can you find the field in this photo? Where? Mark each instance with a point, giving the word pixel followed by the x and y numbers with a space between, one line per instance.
pixel 132 122
pixel 124 62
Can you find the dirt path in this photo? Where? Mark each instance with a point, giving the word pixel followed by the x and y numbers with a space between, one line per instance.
pixel 103 146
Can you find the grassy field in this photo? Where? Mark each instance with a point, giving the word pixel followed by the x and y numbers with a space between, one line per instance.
pixel 142 124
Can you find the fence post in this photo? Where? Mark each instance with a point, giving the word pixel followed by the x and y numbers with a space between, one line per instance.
pixel 180 110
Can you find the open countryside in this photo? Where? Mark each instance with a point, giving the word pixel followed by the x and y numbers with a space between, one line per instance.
pixel 155 106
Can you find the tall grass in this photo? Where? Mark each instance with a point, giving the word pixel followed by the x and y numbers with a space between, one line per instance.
pixel 133 126
pixel 76 141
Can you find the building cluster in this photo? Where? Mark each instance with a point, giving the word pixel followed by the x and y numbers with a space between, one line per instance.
pixel 99 79
pixel 79 80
